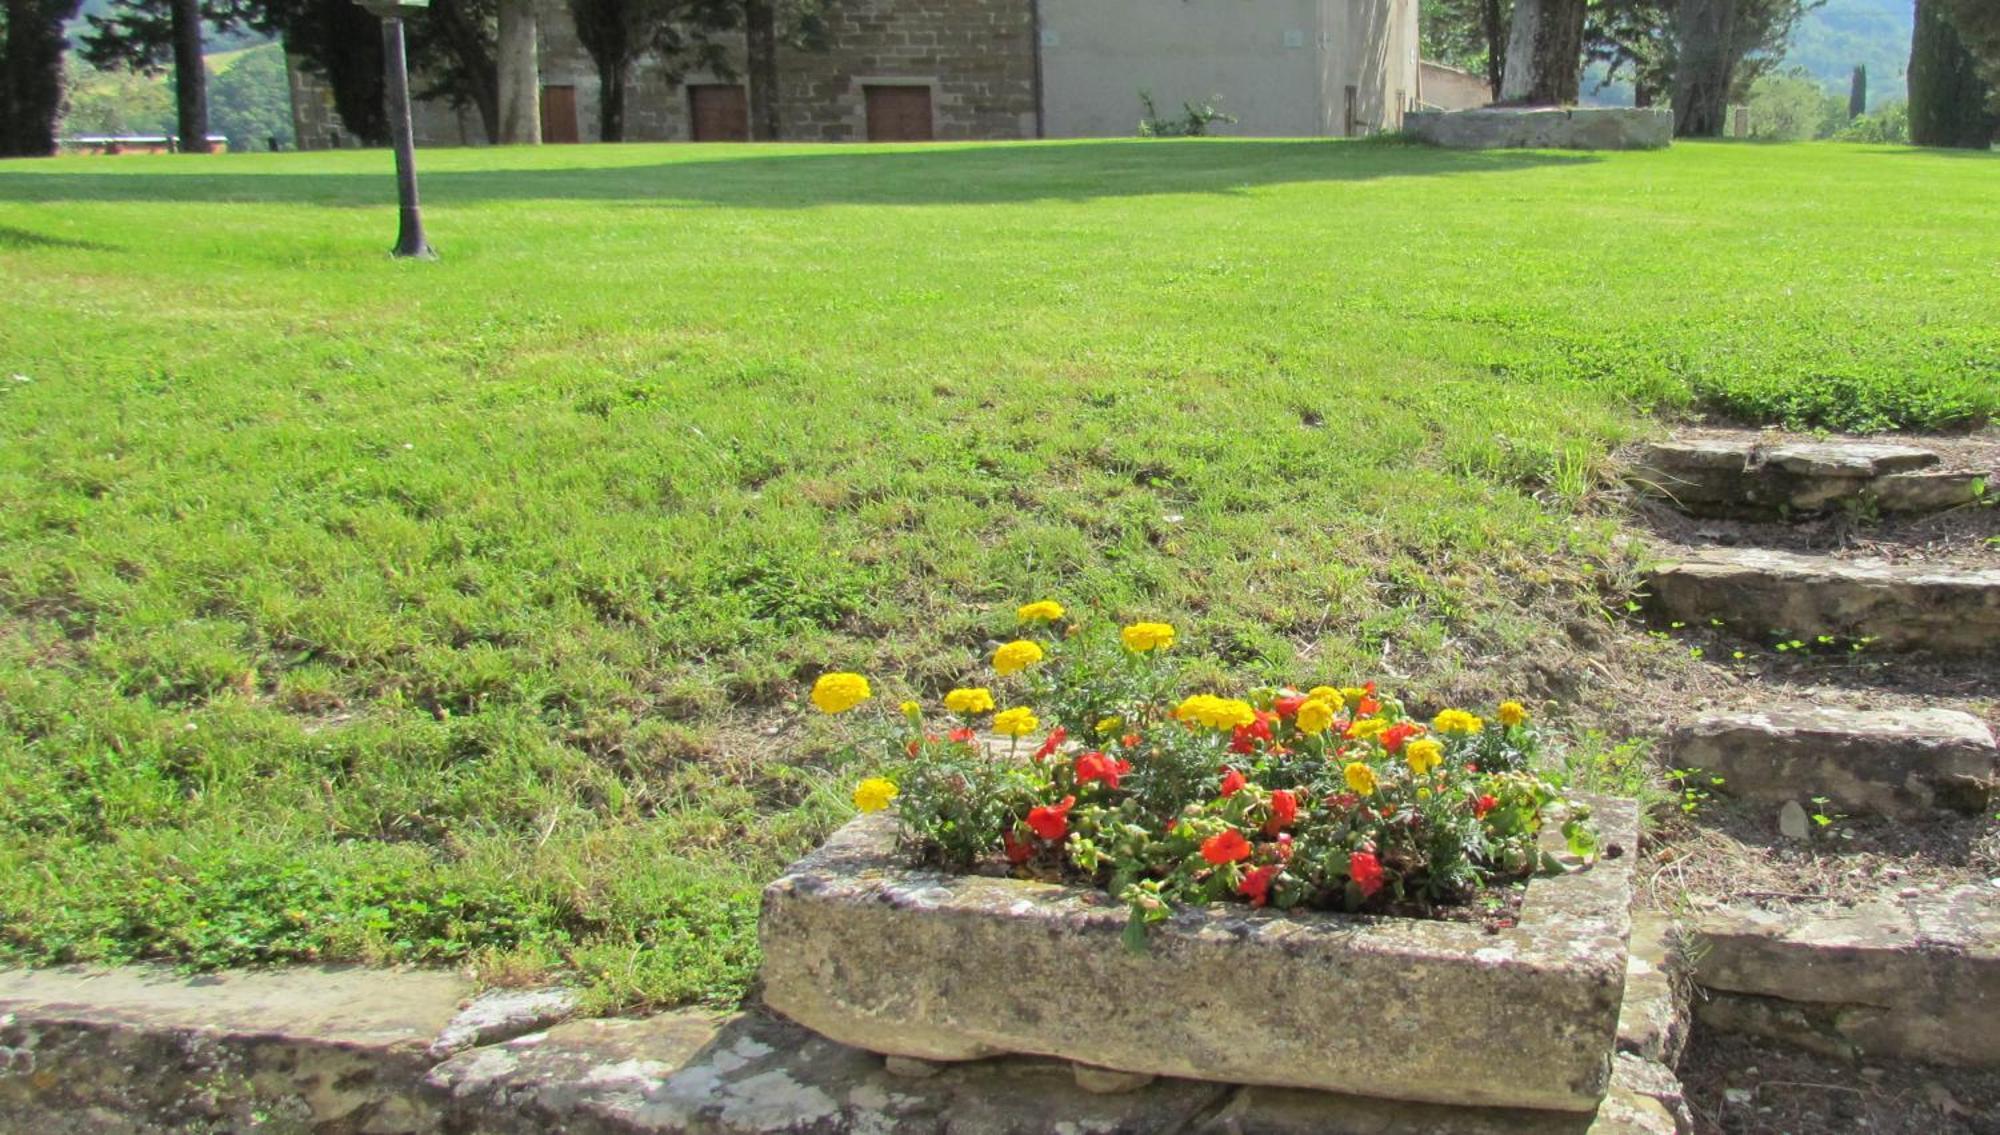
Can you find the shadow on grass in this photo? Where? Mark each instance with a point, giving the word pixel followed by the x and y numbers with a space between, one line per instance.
pixel 11 237
pixel 793 179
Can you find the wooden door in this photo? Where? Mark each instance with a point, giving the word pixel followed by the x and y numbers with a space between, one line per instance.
pixel 898 114
pixel 720 112
pixel 559 114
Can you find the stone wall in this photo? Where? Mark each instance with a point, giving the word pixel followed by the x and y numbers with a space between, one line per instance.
pixel 977 57
pixel 1544 127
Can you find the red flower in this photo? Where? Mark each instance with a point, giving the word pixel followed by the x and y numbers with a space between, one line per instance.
pixel 1228 847
pixel 1051 821
pixel 1232 782
pixel 1368 707
pixel 963 734
pixel 1483 805
pixel 1055 738
pixel 1256 885
pixel 1366 871
pixel 1129 740
pixel 1096 766
pixel 1284 809
pixel 1018 850
pixel 1394 736
pixel 1288 706
pixel 1241 741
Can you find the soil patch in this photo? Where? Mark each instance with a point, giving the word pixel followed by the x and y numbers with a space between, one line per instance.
pixel 1746 1086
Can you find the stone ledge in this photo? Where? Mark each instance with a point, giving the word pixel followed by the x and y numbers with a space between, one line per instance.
pixel 1915 977
pixel 1942 610
pixel 1892 762
pixel 1543 128
pixel 1748 479
pixel 873 953
pixel 750 1074
pixel 330 1050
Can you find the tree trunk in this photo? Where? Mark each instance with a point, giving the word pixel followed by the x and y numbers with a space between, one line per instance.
pixel 610 101
pixel 1948 99
pixel 1706 67
pixel 760 47
pixel 190 78
pixel 519 75
pixel 1644 93
pixel 31 76
pixel 1496 46
pixel 1544 53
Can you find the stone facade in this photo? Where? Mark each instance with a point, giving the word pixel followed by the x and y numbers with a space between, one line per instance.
pixel 998 69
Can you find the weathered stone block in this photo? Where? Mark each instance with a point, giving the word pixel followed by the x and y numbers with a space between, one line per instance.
pixel 1901 606
pixel 1893 762
pixel 332 1051
pixel 867 950
pixel 1741 477
pixel 1543 127
pixel 1916 978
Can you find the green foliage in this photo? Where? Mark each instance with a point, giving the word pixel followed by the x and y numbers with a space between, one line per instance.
pixel 1793 107
pixel 250 102
pixel 1890 123
pixel 483 577
pixel 114 102
pixel 1193 121
pixel 1838 35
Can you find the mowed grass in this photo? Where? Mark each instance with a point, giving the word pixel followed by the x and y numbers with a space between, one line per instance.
pixel 460 612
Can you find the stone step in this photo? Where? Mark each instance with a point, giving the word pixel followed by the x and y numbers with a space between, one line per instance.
pixel 1902 763
pixel 1905 976
pixel 1746 479
pixel 1943 610
pixel 332 1049
pixel 753 1074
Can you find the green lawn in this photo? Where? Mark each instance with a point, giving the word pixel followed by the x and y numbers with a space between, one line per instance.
pixel 461 611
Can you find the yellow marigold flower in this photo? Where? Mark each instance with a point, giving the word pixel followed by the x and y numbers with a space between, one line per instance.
pixel 1015 656
pixel 838 692
pixel 1334 699
pixel 1423 754
pixel 874 794
pixel 1109 724
pixel 1315 716
pixel 1016 722
pixel 1215 712
pixel 1360 778
pixel 1046 611
pixel 1457 721
pixel 1365 728
pixel 1512 713
pixel 1142 637
pixel 978 699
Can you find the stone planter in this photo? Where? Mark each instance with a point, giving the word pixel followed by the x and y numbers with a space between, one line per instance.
pixel 869 951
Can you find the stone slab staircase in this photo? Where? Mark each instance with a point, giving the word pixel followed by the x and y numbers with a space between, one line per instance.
pixel 1908 973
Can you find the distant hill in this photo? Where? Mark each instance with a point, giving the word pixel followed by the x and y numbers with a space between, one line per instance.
pixel 1876 33
pixel 1828 42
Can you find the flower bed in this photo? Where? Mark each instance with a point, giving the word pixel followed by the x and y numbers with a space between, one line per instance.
pixel 1326 798
pixel 1192 885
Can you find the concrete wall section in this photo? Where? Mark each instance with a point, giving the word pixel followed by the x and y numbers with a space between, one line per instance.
pixel 1256 58
pixel 1448 88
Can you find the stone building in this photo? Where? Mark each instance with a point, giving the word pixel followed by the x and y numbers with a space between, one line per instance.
pixel 916 70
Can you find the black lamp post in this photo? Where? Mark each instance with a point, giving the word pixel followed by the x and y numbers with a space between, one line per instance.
pixel 410 240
